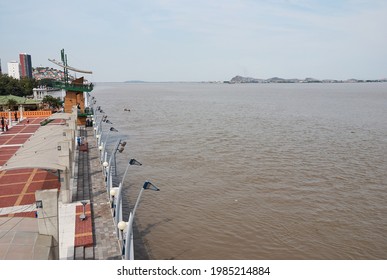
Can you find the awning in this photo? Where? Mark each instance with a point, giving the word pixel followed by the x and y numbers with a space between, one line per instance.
pixel 40 150
pixel 63 116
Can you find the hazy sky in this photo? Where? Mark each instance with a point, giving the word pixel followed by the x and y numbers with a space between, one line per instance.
pixel 196 40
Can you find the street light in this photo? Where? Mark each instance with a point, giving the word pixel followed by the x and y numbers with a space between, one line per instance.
pixel 122 226
pixel 129 250
pixel 130 162
pixel 108 171
pixel 118 193
pixel 122 148
pixel 113 194
pixel 105 142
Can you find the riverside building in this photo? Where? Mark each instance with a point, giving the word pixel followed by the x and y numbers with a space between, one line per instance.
pixel 14 69
pixel 25 65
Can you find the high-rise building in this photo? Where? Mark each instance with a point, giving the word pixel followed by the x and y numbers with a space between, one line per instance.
pixel 25 65
pixel 14 69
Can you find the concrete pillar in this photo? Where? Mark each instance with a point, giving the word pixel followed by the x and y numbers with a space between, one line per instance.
pixel 21 113
pixel 9 119
pixel 65 160
pixel 48 216
pixel 69 136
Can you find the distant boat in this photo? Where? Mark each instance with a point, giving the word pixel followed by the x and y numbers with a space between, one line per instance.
pixel 128 110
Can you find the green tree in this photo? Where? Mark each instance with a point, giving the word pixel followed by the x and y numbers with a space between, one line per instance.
pixel 27 85
pixel 22 87
pixel 52 102
pixel 46 82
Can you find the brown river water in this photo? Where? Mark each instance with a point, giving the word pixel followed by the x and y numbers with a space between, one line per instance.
pixel 254 171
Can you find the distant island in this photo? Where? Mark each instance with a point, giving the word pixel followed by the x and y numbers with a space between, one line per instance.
pixel 135 82
pixel 246 80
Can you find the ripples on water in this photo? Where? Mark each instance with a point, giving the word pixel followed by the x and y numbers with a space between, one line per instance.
pixel 294 171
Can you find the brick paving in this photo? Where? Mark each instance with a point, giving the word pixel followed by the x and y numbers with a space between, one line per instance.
pixel 95 237
pixel 91 186
pixel 17 187
pixel 83 228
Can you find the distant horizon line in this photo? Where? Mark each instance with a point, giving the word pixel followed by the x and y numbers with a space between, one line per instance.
pixel 254 79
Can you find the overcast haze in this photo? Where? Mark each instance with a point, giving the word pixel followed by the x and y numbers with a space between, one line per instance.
pixel 201 40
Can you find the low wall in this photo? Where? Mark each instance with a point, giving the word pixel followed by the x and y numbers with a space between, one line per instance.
pixel 27 114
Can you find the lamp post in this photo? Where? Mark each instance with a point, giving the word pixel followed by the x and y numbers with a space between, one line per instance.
pixel 132 161
pixel 113 195
pixel 105 143
pixel 108 165
pixel 122 226
pixel 96 114
pixel 99 125
pixel 129 250
pixel 118 193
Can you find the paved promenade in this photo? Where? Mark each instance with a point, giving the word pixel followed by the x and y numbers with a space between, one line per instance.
pixel 91 238
pixel 91 186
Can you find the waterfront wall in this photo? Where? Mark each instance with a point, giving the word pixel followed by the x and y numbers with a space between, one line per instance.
pixel 27 114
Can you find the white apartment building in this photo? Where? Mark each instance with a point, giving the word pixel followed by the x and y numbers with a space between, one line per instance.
pixel 14 69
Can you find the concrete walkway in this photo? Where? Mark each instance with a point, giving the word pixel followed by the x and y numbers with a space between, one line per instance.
pixel 91 187
pixel 91 238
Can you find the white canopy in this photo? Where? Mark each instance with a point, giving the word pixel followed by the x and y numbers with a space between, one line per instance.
pixel 40 150
pixel 64 116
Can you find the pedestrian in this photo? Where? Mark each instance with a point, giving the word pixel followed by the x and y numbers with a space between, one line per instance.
pixel 15 116
pixel 6 124
pixel 2 123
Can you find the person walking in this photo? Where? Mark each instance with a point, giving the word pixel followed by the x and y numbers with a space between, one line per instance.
pixel 2 123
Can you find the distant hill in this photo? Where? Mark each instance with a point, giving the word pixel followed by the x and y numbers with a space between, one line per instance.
pixel 135 82
pixel 42 73
pixel 242 80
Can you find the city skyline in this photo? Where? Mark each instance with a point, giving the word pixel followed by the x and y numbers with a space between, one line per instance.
pixel 25 65
pixel 201 41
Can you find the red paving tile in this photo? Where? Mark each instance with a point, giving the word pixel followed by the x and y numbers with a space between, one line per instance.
pixel 31 214
pixel 14 178
pixel 28 198
pixel 45 176
pixel 83 229
pixel 25 128
pixel 17 187
pixel 6 153
pixel 17 171
pixel 7 201
pixel 4 138
pixel 44 185
pixel 15 139
pixel 11 189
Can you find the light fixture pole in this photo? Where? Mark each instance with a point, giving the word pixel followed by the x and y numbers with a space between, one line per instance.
pixel 129 250
pixel 108 165
pixel 118 214
pixel 105 143
pixel 132 161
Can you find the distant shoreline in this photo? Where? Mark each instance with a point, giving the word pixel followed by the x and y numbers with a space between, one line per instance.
pixel 276 80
